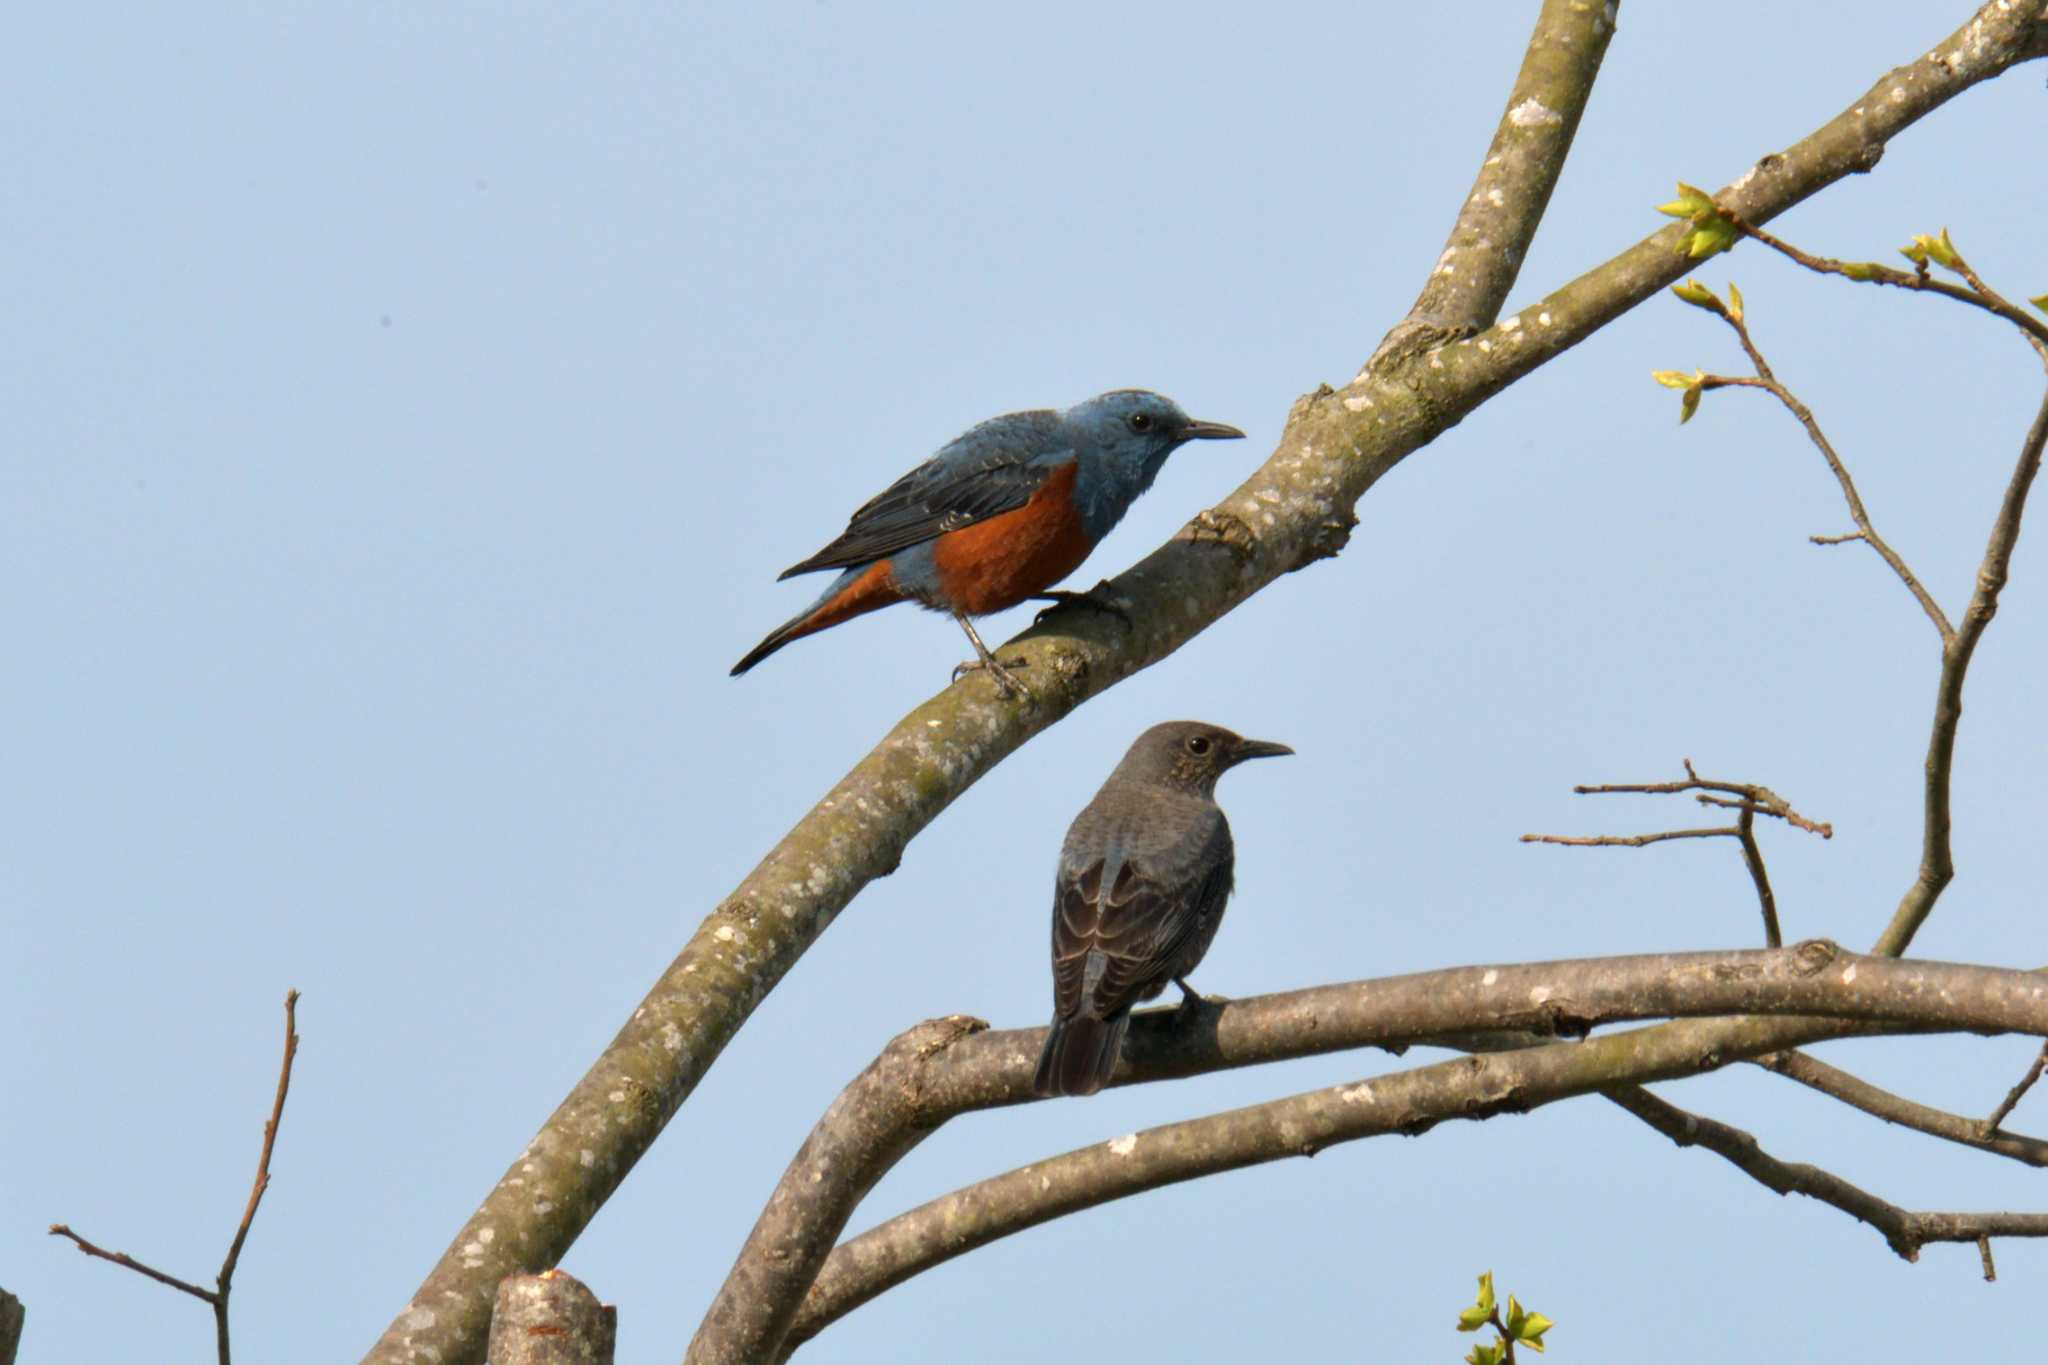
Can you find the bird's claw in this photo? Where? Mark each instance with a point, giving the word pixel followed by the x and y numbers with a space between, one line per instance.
pixel 999 672
pixel 1097 598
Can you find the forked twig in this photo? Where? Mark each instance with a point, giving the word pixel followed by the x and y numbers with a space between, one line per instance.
pixel 224 1282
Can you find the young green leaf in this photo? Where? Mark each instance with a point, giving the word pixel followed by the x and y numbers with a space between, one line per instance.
pixel 1734 301
pixel 1688 405
pixel 1698 295
pixel 1690 202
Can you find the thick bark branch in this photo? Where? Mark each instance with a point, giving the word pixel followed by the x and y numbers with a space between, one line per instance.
pixel 1499 218
pixel 1904 1229
pixel 1295 509
pixel 1846 986
pixel 1861 1094
pixel 551 1319
pixel 948 1067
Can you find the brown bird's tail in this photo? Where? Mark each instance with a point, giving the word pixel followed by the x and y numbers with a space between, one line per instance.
pixel 1079 1054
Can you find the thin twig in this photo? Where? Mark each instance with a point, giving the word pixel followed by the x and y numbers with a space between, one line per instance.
pixel 1767 381
pixel 1937 863
pixel 1861 1094
pixel 1746 799
pixel 1977 295
pixel 1766 801
pixel 1631 840
pixel 2013 1096
pixel 1753 858
pixel 122 1258
pixel 1905 1230
pixel 262 1181
pixel 218 1297
pixel 1984 1253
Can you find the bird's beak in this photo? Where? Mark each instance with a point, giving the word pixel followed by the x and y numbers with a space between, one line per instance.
pixel 1261 748
pixel 1210 431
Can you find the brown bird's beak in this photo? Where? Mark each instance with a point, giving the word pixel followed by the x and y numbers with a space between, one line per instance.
pixel 1210 431
pixel 1260 748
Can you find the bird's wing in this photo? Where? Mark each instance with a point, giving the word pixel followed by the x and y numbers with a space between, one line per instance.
pixel 1142 923
pixel 994 468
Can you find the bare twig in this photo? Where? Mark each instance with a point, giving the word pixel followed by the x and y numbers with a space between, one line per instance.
pixel 1753 858
pixel 1860 1094
pixel 1762 799
pixel 1631 840
pixel 1905 1230
pixel 1937 862
pixel 1748 801
pixel 122 1258
pixel 2014 1095
pixel 1984 1254
pixel 1767 381
pixel 217 1297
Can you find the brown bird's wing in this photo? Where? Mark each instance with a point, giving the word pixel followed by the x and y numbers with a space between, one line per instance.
pixel 1140 932
pixel 993 469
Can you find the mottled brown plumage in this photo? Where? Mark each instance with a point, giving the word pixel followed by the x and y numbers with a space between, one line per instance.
pixel 1143 877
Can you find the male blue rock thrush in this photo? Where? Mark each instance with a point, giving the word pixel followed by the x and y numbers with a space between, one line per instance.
pixel 1142 880
pixel 999 515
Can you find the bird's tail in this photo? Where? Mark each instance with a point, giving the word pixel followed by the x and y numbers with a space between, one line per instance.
pixel 857 591
pixel 1079 1054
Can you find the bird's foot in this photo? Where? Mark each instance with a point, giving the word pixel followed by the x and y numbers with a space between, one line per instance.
pixel 1006 682
pixel 1192 1002
pixel 1100 598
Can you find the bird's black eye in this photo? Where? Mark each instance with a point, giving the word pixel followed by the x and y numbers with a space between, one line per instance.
pixel 1141 421
pixel 1198 744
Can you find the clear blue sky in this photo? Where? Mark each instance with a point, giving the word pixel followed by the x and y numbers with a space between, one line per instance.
pixel 404 414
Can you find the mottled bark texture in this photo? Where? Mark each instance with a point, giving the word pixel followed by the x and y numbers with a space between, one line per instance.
pixel 1294 510
pixel 1498 220
pixel 948 1067
pixel 1811 981
pixel 551 1319
pixel 13 1317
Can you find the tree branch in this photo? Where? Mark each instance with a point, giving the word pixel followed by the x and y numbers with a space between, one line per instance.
pixel 948 1067
pixel 217 1297
pixel 1937 863
pixel 2018 1092
pixel 1861 1094
pixel 1409 1102
pixel 1499 218
pixel 1905 1230
pixel 1294 510
pixel 1752 801
pixel 1767 381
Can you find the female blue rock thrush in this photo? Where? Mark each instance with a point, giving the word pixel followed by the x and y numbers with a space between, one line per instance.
pixel 1142 880
pixel 999 515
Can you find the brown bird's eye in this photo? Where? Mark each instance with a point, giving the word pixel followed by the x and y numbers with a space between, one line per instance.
pixel 1198 744
pixel 1141 421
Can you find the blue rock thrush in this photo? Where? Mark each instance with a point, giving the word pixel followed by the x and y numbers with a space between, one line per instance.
pixel 999 515
pixel 1142 880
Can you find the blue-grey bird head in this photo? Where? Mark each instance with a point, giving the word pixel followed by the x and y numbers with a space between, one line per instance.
pixel 1190 755
pixel 1123 437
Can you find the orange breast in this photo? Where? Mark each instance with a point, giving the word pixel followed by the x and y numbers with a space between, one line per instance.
pixel 998 563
